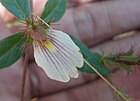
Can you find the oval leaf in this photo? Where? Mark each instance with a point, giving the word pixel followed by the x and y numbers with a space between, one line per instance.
pixel 20 8
pixel 92 58
pixel 11 49
pixel 54 10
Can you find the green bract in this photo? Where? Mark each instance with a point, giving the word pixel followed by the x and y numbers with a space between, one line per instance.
pixel 11 49
pixel 92 58
pixel 54 10
pixel 20 8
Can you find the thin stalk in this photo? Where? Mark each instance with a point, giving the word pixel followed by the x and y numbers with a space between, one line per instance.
pixel 103 78
pixel 24 77
pixel 23 83
pixel 118 98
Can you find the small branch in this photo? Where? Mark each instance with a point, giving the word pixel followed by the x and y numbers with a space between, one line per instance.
pixel 118 98
pixel 24 76
pixel 23 84
pixel 103 78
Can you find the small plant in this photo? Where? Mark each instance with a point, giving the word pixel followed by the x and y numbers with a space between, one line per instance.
pixel 59 54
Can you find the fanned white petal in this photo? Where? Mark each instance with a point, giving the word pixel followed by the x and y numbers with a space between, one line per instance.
pixel 60 64
pixel 67 44
pixel 49 64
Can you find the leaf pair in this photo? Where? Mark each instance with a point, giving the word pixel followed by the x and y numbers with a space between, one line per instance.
pixel 53 10
pixel 11 48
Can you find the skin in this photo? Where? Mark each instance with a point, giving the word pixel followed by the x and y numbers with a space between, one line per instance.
pixel 108 18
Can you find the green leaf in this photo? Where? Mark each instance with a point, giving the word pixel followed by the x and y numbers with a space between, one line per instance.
pixel 11 49
pixel 20 8
pixel 54 10
pixel 92 58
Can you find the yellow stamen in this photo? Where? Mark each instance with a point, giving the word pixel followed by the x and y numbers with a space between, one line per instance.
pixel 49 45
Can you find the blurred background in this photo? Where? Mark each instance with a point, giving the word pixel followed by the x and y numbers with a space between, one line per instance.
pixel 108 25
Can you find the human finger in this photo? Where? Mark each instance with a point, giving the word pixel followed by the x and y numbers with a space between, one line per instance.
pixel 93 23
pixel 123 43
pixel 98 90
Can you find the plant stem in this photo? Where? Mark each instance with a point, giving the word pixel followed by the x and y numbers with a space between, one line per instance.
pixel 103 78
pixel 23 83
pixel 24 76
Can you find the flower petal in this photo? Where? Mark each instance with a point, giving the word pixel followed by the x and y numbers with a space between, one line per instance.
pixel 66 43
pixel 49 64
pixel 60 64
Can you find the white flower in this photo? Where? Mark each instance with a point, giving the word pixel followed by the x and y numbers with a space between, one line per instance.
pixel 58 55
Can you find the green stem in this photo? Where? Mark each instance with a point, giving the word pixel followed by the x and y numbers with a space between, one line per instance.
pixel 103 78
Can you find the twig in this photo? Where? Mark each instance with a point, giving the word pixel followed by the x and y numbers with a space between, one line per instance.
pixel 103 78
pixel 24 76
